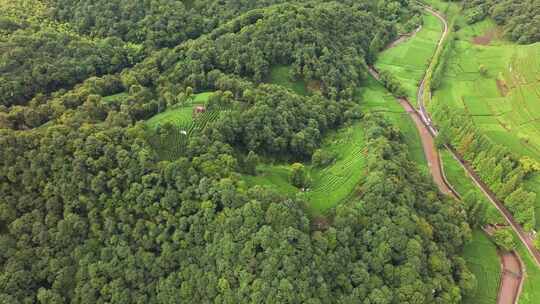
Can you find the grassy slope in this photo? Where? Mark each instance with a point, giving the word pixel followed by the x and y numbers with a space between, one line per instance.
pixel 483 261
pixel 281 75
pixel 330 185
pixel 459 179
pixel 375 98
pixel 530 293
pixel 408 61
pixel 448 8
pixel 510 118
pixel 178 115
pixel 115 97
pixel 480 253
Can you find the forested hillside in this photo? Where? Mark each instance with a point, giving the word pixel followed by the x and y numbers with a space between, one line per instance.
pixel 93 211
pixel 521 18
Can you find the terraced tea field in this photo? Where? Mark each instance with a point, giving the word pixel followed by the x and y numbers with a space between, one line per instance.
pixel 330 185
pixel 178 116
pixel 170 146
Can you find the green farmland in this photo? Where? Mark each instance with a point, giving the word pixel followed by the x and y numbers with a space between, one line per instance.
pixel 504 99
pixel 330 185
pixel 504 102
pixel 408 61
pixel 170 144
pixel 483 261
pixel 375 98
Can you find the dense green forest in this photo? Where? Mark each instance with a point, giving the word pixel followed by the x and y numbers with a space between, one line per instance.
pixel 520 17
pixel 98 207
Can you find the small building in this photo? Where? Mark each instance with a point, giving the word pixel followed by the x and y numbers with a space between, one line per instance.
pixel 198 110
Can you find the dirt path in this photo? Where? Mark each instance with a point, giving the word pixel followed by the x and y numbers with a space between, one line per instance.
pixel 512 270
pixel 511 278
pixel 428 144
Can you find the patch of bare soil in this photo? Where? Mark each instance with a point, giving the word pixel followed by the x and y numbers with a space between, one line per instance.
pixel 320 223
pixel 314 86
pixel 511 279
pixel 487 37
pixel 503 87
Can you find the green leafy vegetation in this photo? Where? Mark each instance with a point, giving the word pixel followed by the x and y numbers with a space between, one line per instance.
pixel 282 75
pixel 519 17
pixel 504 239
pixel 113 193
pixel 499 103
pixel 49 58
pixel 329 184
pixel 408 61
pixel 483 261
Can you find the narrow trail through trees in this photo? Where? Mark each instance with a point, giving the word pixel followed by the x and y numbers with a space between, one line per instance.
pixel 512 267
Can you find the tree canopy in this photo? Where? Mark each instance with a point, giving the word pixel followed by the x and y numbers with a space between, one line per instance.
pixel 519 17
pixel 93 211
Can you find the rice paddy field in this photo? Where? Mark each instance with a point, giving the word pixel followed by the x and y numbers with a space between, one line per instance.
pixel 504 101
pixel 408 60
pixel 482 259
pixel 330 185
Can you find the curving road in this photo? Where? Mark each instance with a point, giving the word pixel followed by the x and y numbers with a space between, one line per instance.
pixel 428 144
pixel 511 278
pixel 512 267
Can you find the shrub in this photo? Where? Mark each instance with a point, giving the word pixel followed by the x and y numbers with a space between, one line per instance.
pixel 504 239
pixel 251 162
pixel 299 176
pixel 537 241
pixel 322 158
pixel 483 70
